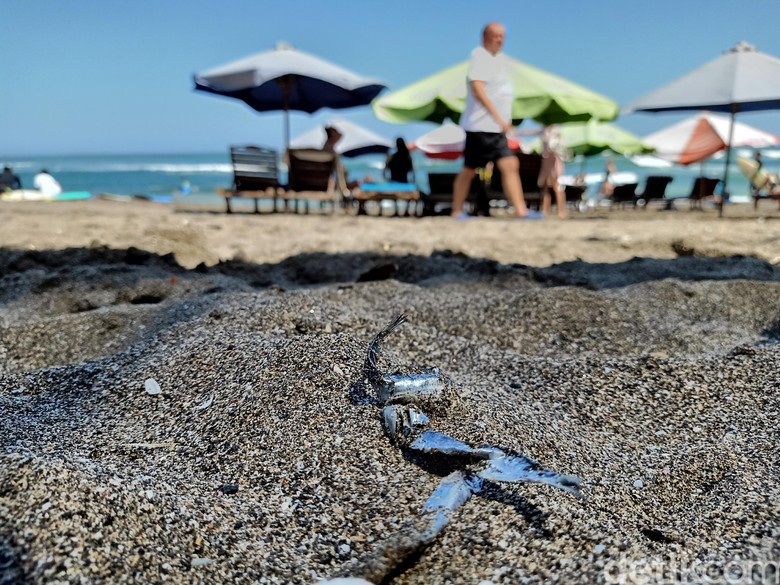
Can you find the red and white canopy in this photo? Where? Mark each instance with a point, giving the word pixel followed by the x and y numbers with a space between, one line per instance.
pixel 699 137
pixel 447 142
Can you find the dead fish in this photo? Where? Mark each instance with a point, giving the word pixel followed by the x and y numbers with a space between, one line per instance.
pixel 397 388
pixel 499 465
pixel 402 397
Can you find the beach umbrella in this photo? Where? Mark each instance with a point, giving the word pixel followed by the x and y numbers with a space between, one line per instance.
pixel 540 95
pixel 650 161
pixel 594 137
pixel 355 139
pixel 447 142
pixel 741 80
pixel 699 137
pixel 287 79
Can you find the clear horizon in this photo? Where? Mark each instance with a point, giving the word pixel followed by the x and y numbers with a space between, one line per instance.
pixel 116 78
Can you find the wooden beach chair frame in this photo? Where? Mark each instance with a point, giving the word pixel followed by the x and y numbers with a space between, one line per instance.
pixel 654 190
pixel 574 195
pixel 255 175
pixel 365 194
pixel 314 175
pixel 440 193
pixel 623 195
pixel 530 165
pixel 702 188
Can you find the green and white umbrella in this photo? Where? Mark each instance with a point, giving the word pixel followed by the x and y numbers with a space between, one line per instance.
pixel 593 137
pixel 540 95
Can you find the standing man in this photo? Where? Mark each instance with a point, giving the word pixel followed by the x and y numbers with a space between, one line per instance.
pixel 486 120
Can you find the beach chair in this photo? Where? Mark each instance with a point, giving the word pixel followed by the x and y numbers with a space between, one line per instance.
pixel 655 190
pixel 623 194
pixel 574 195
pixel 530 165
pixel 767 191
pixel 399 193
pixel 314 175
pixel 703 188
pixel 255 175
pixel 438 199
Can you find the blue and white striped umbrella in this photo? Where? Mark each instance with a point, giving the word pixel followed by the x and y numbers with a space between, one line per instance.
pixel 287 79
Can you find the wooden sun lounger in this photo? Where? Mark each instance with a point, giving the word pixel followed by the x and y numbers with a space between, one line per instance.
pixel 767 192
pixel 530 165
pixel 758 196
pixel 439 197
pixel 655 190
pixel 623 195
pixel 703 188
pixel 388 191
pixel 574 195
pixel 255 176
pixel 311 179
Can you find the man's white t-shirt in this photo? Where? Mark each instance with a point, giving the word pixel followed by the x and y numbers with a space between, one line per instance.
pixel 47 184
pixel 492 69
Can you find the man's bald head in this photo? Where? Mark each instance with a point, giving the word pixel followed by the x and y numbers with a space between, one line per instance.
pixel 493 37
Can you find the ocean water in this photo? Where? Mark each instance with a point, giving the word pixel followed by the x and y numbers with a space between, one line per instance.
pixel 198 175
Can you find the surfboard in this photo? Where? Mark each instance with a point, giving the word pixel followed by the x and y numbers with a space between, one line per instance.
pixel 748 167
pixel 73 195
pixel 35 195
pixel 24 195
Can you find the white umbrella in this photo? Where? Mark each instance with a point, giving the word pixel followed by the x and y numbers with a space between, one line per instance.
pixel 288 79
pixel 699 137
pixel 355 140
pixel 445 142
pixel 650 161
pixel 741 80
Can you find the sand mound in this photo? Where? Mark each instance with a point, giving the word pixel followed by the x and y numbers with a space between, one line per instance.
pixel 655 381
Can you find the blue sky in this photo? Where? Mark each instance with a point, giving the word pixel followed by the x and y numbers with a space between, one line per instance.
pixel 115 76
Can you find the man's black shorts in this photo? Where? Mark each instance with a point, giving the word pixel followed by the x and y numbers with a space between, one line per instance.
pixel 484 147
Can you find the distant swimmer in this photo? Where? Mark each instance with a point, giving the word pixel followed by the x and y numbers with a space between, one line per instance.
pixel 47 184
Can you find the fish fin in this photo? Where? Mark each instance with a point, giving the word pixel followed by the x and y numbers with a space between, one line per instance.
pixel 514 468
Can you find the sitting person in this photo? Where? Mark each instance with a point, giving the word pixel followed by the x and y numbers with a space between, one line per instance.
pixel 9 180
pixel 47 184
pixel 332 136
pixel 607 186
pixel 398 168
pixel 399 165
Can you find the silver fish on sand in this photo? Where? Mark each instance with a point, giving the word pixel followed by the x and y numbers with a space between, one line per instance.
pixel 397 388
pixel 402 397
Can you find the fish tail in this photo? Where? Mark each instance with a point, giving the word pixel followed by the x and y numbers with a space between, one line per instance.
pixel 371 367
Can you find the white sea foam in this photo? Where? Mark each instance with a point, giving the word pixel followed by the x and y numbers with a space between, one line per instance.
pixel 177 168
pixel 118 167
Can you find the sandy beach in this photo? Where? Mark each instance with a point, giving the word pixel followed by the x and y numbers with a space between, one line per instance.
pixel 635 349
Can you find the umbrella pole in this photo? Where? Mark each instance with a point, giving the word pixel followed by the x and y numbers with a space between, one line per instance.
pixel 286 82
pixel 724 191
pixel 286 129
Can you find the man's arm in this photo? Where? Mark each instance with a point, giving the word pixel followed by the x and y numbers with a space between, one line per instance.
pixel 478 88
